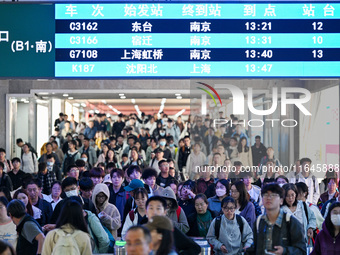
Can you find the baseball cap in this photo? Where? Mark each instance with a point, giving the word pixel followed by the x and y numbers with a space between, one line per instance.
pixel 107 179
pixel 159 222
pixel 134 184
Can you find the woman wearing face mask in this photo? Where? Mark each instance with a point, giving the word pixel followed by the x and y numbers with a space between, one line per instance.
pixel 222 191
pixel 328 240
pixel 85 158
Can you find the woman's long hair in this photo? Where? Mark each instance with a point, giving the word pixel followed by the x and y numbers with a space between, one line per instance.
pixel 29 204
pixel 244 195
pixel 167 241
pixel 328 221
pixel 287 187
pixel 107 157
pixel 72 213
pixel 239 146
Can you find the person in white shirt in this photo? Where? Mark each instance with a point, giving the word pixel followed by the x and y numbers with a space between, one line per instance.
pixel 312 182
pixel 54 198
pixel 29 161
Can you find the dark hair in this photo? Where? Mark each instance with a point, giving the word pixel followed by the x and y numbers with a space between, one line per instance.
pixel 16 208
pixel 267 181
pixel 303 160
pixel 328 221
pixel 48 144
pixel 156 198
pixel 50 156
pixel 148 172
pixel 120 172
pixel 110 165
pixel 302 188
pixel 73 142
pixel 31 181
pixel 16 159
pixel 4 201
pixel 41 167
pixel 101 164
pixel 7 192
pixel 282 177
pixel 107 156
pixel 80 163
pixel 239 146
pixel 257 137
pixel 19 140
pixel 29 204
pixel 225 183
pixel 146 232
pixel 201 196
pixel 287 187
pixel 227 200
pixel 72 213
pixel 335 179
pixel 97 172
pixel 167 241
pixel 70 167
pixel 274 188
pixel 133 168
pixel 244 195
pixel 86 184
pixel 140 191
pixel 68 181
pixel 125 155
pixel 237 163
pixel 4 245
pixel 191 184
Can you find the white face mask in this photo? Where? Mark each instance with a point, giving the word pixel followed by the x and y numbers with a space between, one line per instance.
pixel 220 192
pixel 335 218
pixel 71 193
pixel 49 163
pixel 281 184
pixel 85 159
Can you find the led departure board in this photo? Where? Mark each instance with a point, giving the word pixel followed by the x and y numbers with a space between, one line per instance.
pixel 186 39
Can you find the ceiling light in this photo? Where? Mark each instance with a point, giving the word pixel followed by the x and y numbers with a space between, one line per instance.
pixel 43 93
pixel 133 101
pixel 23 99
pixel 45 98
pixel 122 97
pixel 121 94
pixel 178 94
pixel 70 98
pixel 65 95
pixel 26 102
pixel 179 97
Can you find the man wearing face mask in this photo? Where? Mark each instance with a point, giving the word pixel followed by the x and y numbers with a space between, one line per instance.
pixel 51 166
pixel 162 145
pixel 92 155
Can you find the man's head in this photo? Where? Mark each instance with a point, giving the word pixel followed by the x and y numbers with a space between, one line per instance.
pixel 86 187
pixel 305 164
pixel 70 186
pixel 134 172
pixel 149 176
pixel 138 241
pixel 155 205
pixel 163 166
pixel 91 124
pixel 72 145
pixel 273 196
pixel 72 171
pixel 16 209
pixel 233 141
pixel 117 177
pixel 20 142
pixel 258 140
pixel 16 162
pixel 49 148
pixel 33 188
pixel 97 175
pixel 26 148
pixel 159 154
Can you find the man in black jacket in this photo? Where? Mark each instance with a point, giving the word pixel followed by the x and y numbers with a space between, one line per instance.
pixel 276 232
pixel 258 150
pixel 183 155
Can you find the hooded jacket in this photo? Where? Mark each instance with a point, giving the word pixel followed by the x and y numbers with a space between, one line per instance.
pixel 180 222
pixel 325 244
pixel 112 218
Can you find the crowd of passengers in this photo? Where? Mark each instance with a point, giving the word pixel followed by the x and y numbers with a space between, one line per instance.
pixel 167 182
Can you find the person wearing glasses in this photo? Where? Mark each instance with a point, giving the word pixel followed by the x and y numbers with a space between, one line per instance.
pixel 232 234
pixel 275 231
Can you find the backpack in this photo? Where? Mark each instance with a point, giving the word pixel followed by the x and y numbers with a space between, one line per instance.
pixel 218 225
pixel 69 160
pixel 66 243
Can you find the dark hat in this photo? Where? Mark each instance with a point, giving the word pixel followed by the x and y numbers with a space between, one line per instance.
pixel 159 222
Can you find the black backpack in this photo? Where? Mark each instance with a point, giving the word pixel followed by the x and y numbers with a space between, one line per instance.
pixel 218 225
pixel 69 160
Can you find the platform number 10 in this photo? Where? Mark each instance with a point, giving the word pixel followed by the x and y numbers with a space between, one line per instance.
pixel 317 39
